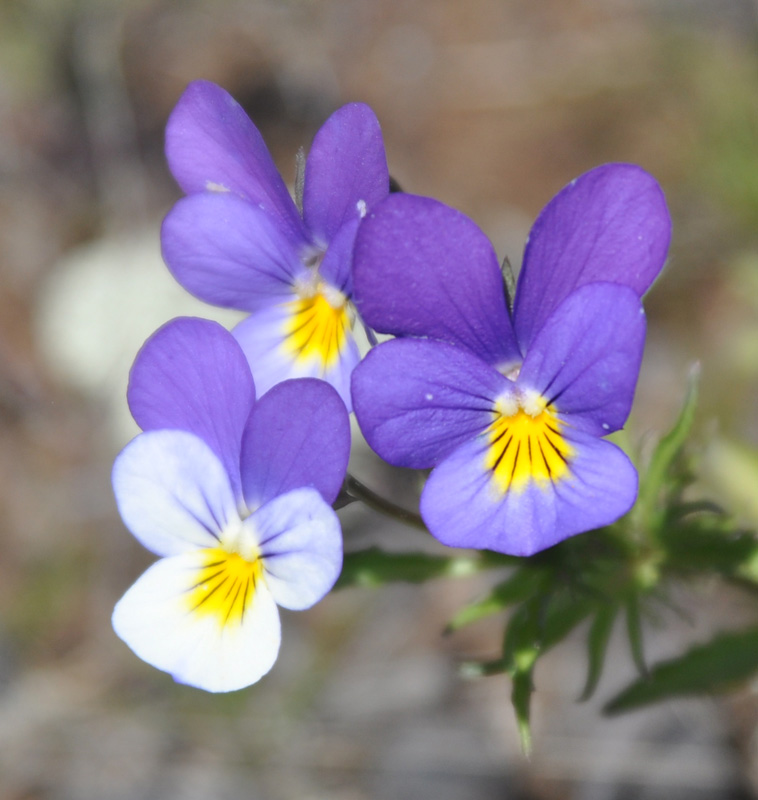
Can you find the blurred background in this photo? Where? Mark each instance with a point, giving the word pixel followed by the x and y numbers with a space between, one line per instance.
pixel 490 106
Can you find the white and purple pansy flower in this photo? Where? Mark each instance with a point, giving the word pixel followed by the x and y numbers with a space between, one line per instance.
pixel 238 240
pixel 234 495
pixel 510 409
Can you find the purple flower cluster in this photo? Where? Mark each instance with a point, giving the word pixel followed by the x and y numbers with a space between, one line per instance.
pixel 246 434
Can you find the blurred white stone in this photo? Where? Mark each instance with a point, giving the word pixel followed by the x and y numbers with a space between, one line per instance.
pixel 100 304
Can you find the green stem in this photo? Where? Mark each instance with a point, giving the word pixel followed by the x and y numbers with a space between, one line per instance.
pixel 375 501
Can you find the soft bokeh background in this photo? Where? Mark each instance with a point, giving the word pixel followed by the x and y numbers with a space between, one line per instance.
pixel 490 106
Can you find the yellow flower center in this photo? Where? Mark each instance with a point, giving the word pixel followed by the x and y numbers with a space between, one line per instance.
pixel 318 326
pixel 526 444
pixel 224 586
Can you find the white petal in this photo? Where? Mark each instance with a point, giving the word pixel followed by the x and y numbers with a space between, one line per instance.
pixel 300 541
pixel 156 619
pixel 173 493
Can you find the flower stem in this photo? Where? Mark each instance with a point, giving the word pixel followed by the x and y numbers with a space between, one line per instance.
pixel 359 491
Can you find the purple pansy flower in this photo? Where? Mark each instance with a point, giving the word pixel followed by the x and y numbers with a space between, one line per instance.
pixel 238 240
pixel 510 410
pixel 234 495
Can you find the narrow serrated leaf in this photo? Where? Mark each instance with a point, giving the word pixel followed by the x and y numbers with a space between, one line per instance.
pixel 374 567
pixel 521 695
pixel 597 645
pixel 518 586
pixel 726 660
pixel 667 450
pixel 634 630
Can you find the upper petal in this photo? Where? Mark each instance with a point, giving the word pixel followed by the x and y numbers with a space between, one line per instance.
pixel 298 436
pixel 191 374
pixel 211 145
pixel 346 171
pixel 301 547
pixel 586 358
pixel 416 401
pixel 610 224
pixel 172 492
pixel 228 251
pixel 464 507
pixel 157 620
pixel 423 269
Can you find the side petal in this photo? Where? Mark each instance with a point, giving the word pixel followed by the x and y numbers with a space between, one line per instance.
pixel 172 492
pixel 416 401
pixel 301 547
pixel 191 374
pixel 212 146
pixel 298 435
pixel 279 345
pixel 228 252
pixel 610 224
pixel 586 359
pixel 155 618
pixel 336 268
pixel 463 507
pixel 346 171
pixel 423 269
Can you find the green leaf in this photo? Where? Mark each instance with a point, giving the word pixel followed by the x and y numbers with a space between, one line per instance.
pixel 597 645
pixel 509 281
pixel 374 567
pixel 666 452
pixel 726 660
pixel 521 695
pixel 634 629
pixel 520 585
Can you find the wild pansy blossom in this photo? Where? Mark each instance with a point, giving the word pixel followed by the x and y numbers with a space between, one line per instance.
pixel 238 240
pixel 510 409
pixel 234 495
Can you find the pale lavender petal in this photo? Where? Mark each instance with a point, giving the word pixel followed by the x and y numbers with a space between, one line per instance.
pixel 301 547
pixel 212 146
pixel 423 269
pixel 172 492
pixel 586 358
pixel 192 375
pixel 228 252
pixel 462 506
pixel 263 337
pixel 610 224
pixel 346 171
pixel 297 436
pixel 416 401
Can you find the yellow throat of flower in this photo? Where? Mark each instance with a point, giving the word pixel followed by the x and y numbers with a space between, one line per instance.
pixel 317 326
pixel 526 444
pixel 224 586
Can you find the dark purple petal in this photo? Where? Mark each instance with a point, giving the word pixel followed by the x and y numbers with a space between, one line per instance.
pixel 298 436
pixel 228 252
pixel 346 171
pixel 610 224
pixel 336 266
pixel 416 401
pixel 463 508
pixel 424 269
pixel 211 145
pixel 192 375
pixel 586 358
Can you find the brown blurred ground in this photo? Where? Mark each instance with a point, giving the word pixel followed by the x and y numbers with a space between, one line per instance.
pixel 489 105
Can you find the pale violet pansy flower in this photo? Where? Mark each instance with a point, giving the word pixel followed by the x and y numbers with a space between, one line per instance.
pixel 233 494
pixel 238 239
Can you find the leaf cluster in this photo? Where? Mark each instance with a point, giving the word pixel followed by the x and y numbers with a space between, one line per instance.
pixel 617 572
